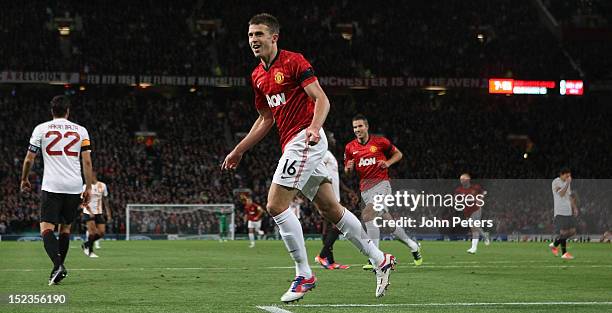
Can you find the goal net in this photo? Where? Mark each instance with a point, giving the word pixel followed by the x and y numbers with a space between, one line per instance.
pixel 179 221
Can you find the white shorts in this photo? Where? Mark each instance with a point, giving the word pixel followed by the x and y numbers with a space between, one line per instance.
pixel 476 215
pixel 301 166
pixel 254 224
pixel 382 188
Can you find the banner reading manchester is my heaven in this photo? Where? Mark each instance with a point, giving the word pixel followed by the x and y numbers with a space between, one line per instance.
pixel 227 81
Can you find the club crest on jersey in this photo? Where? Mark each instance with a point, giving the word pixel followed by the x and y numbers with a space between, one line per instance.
pixel 366 161
pixel 279 77
pixel 373 149
pixel 276 100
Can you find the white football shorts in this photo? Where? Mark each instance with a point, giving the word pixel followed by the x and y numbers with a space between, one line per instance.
pixel 254 224
pixel 301 166
pixel 382 188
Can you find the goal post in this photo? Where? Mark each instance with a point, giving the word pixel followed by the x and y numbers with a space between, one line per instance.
pixel 180 221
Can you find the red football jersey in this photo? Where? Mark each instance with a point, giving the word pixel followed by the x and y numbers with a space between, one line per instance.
pixel 366 157
pixel 475 190
pixel 252 212
pixel 281 88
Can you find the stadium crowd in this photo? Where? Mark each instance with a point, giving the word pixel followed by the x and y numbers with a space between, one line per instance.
pixel 341 38
pixel 194 132
pixel 441 133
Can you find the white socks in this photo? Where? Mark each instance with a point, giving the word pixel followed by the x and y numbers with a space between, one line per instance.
pixel 474 243
pixel 290 230
pixel 373 232
pixel 351 227
pixel 252 238
pixel 403 237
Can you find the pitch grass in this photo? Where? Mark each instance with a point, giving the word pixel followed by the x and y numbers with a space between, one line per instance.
pixel 208 276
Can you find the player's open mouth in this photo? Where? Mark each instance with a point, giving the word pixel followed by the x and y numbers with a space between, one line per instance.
pixel 256 47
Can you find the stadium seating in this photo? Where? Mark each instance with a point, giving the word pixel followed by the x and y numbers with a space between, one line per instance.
pixel 195 132
pixel 456 39
pixel 441 135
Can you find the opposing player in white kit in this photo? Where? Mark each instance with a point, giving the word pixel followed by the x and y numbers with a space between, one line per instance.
pixel 296 206
pixel 330 232
pixel 287 92
pixel 565 210
pixel 93 216
pixel 61 143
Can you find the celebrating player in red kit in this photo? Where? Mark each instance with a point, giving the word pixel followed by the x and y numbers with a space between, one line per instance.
pixel 370 156
pixel 287 92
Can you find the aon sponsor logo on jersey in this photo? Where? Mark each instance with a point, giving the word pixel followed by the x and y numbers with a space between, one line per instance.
pixel 367 161
pixel 276 100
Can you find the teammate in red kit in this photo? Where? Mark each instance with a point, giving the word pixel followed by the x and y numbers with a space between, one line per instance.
pixel 474 211
pixel 371 156
pixel 253 216
pixel 287 92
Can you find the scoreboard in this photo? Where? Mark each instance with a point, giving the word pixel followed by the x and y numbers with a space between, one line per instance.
pixel 534 87
pixel 571 87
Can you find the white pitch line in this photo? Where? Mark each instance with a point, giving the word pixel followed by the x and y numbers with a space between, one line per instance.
pixel 515 266
pixel 115 269
pixel 452 304
pixel 273 309
pixel 504 262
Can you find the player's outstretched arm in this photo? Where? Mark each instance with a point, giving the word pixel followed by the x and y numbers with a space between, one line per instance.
pixel 321 109
pixel 260 129
pixel 25 171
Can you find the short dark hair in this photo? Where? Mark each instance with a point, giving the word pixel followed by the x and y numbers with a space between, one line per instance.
pixel 268 20
pixel 60 106
pixel 565 170
pixel 360 117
